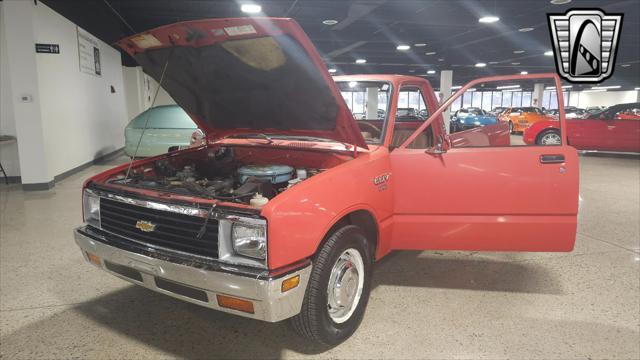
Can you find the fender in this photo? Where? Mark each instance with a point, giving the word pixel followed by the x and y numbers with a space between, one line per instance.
pixel 299 218
pixel 531 133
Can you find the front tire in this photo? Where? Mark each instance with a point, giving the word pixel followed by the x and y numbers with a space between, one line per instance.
pixel 549 137
pixel 338 289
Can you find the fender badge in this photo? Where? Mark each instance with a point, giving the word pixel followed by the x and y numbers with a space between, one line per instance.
pixel 145 226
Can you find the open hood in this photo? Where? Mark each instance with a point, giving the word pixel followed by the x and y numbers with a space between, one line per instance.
pixel 246 75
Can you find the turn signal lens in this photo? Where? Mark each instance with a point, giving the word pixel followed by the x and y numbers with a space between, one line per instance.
pixel 234 303
pixel 94 259
pixel 290 283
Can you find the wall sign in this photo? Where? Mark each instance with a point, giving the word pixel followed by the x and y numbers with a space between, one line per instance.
pixel 48 48
pixel 89 53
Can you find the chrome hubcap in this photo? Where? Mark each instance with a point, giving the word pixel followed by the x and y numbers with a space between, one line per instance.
pixel 345 285
pixel 550 139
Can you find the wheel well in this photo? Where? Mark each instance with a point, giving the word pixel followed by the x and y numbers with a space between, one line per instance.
pixel 364 220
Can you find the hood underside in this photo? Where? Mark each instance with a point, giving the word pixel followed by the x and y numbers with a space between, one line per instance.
pixel 246 75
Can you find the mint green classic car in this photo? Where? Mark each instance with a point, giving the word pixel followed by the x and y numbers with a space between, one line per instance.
pixel 167 126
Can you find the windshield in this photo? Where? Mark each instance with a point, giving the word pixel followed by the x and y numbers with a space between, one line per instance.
pixel 369 103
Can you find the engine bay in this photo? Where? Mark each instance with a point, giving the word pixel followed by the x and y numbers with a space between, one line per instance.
pixel 219 175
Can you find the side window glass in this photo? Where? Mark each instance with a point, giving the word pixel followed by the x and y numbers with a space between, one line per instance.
pixel 507 114
pixel 411 113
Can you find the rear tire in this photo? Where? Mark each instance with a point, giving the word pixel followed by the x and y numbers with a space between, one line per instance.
pixel 338 289
pixel 549 137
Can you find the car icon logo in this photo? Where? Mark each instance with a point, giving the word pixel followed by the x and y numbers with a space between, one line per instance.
pixel 145 226
pixel 585 42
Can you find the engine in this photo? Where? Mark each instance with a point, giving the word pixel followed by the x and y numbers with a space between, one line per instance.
pixel 218 179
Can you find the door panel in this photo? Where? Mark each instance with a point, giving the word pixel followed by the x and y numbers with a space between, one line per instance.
pixel 490 198
pixel 588 134
pixel 624 135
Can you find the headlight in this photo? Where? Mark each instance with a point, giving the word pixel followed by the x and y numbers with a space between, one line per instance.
pixel 461 121
pixel 249 240
pixel 477 123
pixel 91 208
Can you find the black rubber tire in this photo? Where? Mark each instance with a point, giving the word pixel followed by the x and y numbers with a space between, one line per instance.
pixel 542 134
pixel 313 321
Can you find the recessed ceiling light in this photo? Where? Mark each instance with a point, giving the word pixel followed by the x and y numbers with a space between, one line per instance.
pixel 518 51
pixel 481 65
pixel 560 2
pixel 527 29
pixel 548 53
pixel 471 89
pixel 430 53
pixel 420 45
pixel 638 88
pixel 507 87
pixel 332 70
pixel 403 47
pixel 431 72
pixel 488 19
pixel 597 90
pixel 553 87
pixel 625 65
pixel 441 59
pixel 515 63
pixel 361 61
pixel 492 62
pixel 330 22
pixel 412 71
pixel 456 87
pixel 523 73
pixel 250 8
pixel 352 84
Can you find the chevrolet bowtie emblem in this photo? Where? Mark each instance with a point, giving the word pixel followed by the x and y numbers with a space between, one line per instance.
pixel 146 226
pixel 585 42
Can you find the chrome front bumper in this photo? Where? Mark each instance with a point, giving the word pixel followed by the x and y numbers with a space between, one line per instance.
pixel 198 284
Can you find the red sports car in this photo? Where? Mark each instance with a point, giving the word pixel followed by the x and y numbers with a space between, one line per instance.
pixel 614 129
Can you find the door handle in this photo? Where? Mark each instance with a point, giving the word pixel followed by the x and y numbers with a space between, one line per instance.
pixel 552 159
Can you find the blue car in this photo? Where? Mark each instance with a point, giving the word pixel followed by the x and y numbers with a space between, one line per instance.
pixel 470 118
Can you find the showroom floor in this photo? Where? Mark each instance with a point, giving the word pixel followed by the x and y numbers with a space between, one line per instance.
pixel 583 304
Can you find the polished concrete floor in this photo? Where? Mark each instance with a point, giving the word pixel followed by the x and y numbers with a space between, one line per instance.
pixel 583 304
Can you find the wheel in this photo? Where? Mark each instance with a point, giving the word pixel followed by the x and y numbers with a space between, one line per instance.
pixel 511 128
pixel 338 289
pixel 549 137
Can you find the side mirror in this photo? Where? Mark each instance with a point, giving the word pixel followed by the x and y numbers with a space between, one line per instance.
pixel 439 148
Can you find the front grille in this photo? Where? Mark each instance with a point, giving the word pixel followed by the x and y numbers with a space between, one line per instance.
pixel 172 230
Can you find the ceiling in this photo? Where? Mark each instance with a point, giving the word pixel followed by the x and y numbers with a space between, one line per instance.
pixel 371 29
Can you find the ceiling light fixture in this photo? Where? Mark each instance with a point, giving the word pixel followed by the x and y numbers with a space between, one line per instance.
pixel 330 22
pixel 471 89
pixel 507 87
pixel 420 45
pixel 548 53
pixel 524 73
pixel 515 63
pixel 456 87
pixel 638 88
pixel 553 87
pixel 352 84
pixel 431 72
pixel 559 2
pixel 526 29
pixel 250 8
pixel 361 61
pixel 605 87
pixel 441 59
pixel 492 62
pixel 518 51
pixel 488 19
pixel 596 90
pixel 332 70
pixel 430 53
pixel 480 65
pixel 403 47
pixel 625 65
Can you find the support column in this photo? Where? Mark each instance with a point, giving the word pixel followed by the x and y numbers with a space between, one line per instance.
pixel 372 103
pixel 19 30
pixel 536 97
pixel 446 80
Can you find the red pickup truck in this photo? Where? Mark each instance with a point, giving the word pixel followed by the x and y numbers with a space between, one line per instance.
pixel 285 209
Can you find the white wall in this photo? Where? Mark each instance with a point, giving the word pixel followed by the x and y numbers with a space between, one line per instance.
pixel 8 152
pixel 606 98
pixel 140 90
pixel 81 118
